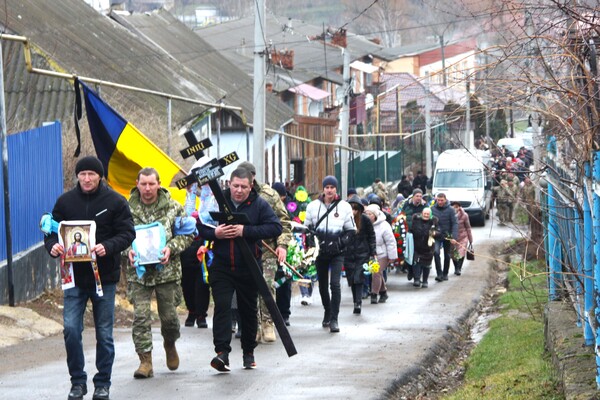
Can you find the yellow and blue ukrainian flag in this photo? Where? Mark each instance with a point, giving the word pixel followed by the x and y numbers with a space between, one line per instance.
pixel 123 149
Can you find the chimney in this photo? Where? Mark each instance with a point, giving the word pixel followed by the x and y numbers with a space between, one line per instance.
pixel 284 59
pixel 339 38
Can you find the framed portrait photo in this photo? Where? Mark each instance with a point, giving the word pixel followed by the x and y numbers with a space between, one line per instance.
pixel 78 238
pixel 149 242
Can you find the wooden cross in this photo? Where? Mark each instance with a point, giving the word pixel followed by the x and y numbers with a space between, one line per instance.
pixel 208 174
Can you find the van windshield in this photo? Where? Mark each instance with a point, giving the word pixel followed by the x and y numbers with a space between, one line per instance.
pixel 468 179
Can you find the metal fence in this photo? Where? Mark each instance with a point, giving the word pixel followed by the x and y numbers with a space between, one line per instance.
pixel 571 220
pixel 362 171
pixel 35 181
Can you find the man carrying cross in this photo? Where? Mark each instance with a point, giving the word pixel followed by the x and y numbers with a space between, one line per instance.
pixel 230 271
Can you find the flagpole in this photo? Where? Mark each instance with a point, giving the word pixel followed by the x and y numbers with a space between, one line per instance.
pixel 5 180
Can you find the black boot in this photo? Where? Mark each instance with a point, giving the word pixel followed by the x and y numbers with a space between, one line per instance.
pixel 191 319
pixel 357 307
pixel 425 277
pixel 333 326
pixel 458 266
pixel 326 318
pixel 383 297
pixel 373 298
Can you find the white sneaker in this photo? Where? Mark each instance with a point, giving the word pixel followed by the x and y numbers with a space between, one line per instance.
pixel 305 301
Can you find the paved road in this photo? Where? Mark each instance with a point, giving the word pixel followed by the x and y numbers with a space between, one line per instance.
pixel 371 352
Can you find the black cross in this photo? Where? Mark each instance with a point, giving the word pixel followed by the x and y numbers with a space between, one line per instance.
pixel 208 174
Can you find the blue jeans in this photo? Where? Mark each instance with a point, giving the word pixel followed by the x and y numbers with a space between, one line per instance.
pixel 75 300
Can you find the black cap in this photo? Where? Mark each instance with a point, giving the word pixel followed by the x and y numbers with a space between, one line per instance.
pixel 89 163
pixel 279 187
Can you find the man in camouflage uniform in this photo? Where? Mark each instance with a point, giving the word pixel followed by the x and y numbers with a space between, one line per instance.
pixel 513 192
pixel 527 196
pixel 150 203
pixel 266 329
pixel 502 195
pixel 380 191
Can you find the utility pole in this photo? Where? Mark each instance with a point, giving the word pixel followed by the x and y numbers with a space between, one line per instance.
pixel 428 161
pixel 467 141
pixel 258 131
pixel 444 78
pixel 345 122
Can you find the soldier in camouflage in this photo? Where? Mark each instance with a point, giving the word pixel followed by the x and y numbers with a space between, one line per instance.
pixel 266 328
pixel 150 203
pixel 503 197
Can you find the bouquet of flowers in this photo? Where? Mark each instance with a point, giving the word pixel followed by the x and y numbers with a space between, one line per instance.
pixel 303 260
pixel 297 207
pixel 400 228
pixel 372 267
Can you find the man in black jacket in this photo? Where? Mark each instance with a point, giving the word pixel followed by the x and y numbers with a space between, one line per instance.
pixel 92 200
pixel 420 182
pixel 230 272
pixel 448 226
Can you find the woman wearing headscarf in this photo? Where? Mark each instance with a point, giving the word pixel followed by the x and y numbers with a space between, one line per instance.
pixel 425 230
pixel 361 248
pixel 465 237
pixel 386 251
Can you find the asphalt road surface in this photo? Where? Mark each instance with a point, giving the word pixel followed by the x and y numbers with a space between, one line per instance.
pixel 371 352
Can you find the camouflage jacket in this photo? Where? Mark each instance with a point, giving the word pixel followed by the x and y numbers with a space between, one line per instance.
pixel 528 194
pixel 164 210
pixel 272 197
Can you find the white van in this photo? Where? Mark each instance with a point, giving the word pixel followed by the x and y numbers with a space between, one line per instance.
pixel 464 177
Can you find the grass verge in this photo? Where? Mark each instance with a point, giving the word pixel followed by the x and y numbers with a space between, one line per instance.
pixel 510 361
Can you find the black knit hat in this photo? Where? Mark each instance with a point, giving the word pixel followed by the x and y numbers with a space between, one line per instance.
pixel 279 187
pixel 89 163
pixel 330 180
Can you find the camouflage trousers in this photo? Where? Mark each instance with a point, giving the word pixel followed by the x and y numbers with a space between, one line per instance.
pixel 269 265
pixel 502 211
pixel 168 297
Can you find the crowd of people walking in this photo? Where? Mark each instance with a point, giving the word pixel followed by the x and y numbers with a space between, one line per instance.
pixel 362 238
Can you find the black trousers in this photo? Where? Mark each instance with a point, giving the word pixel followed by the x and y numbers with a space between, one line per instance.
pixel 447 247
pixel 223 283
pixel 329 270
pixel 196 293
pixel 283 298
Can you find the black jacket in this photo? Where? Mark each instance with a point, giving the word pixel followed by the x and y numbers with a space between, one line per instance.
pixel 362 245
pixel 114 229
pixel 421 230
pixel 405 188
pixel 264 224
pixel 447 219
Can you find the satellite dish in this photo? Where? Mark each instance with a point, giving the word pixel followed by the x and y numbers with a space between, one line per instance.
pixel 314 108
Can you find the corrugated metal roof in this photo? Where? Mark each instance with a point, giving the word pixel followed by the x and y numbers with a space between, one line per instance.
pixel 31 99
pixel 235 39
pixel 164 31
pixel 81 41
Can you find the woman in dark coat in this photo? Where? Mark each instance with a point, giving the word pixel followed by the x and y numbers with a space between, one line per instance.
pixel 360 250
pixel 425 230
pixel 405 187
